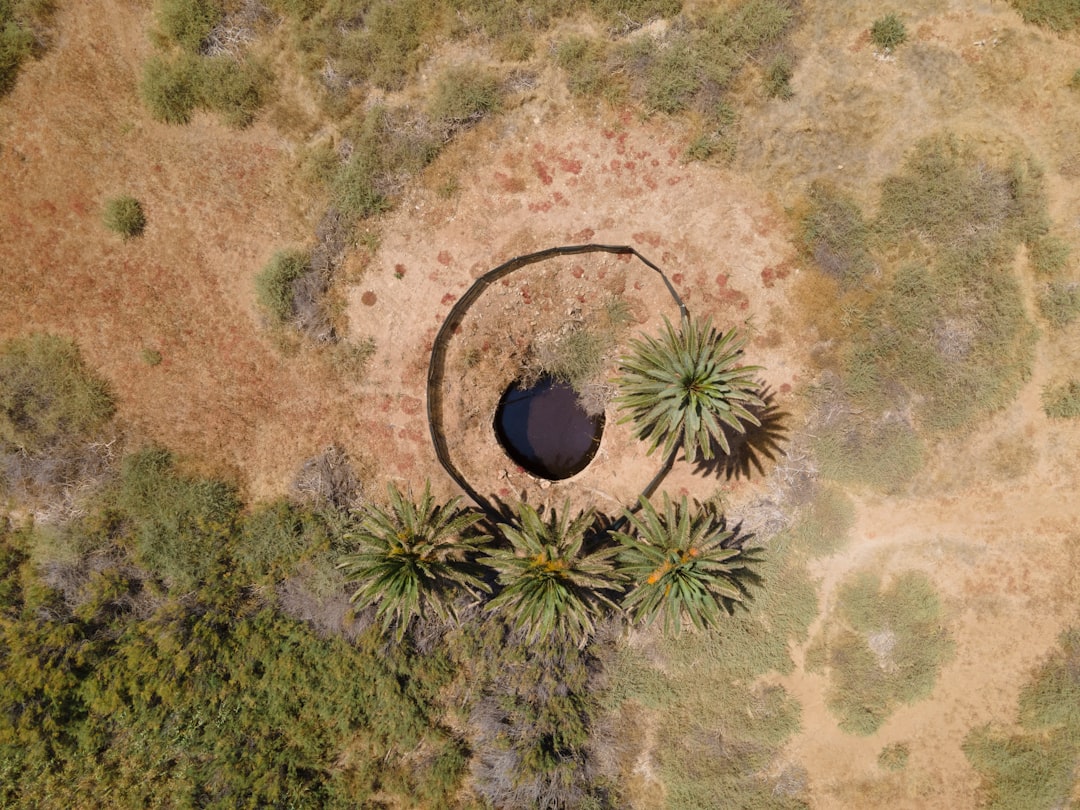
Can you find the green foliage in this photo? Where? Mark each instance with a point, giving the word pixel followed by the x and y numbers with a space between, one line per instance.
pixel 18 21
pixel 47 395
pixel 178 524
pixel 1048 254
pixel 1059 303
pixel 274 284
pixel 639 11
pixel 124 215
pixel 173 87
pixel 1057 15
pixel 894 757
pixel 685 388
pixel 719 725
pixel 886 647
pixel 551 585
pixel 152 357
pixel 1036 767
pixel 274 538
pixel 888 32
pixel 413 558
pixel 1062 401
pixel 835 235
pixel 1074 80
pixel 946 332
pixel 584 61
pixel 169 88
pixel 824 527
pixel 777 76
pixel 463 95
pixel 188 22
pixel 681 564
pixel 235 90
pixel 382 150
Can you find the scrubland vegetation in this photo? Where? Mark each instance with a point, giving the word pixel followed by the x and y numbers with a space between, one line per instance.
pixel 162 639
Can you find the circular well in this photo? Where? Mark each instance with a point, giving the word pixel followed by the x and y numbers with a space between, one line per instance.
pixel 545 430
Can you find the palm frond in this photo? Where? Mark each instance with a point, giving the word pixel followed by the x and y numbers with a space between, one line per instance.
pixel 550 585
pixel 682 387
pixel 413 557
pixel 679 565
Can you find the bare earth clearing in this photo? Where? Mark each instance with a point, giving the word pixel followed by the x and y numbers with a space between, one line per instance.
pixel 1000 539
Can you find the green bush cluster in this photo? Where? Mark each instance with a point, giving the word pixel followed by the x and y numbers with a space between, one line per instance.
pixel 173 87
pixel 17 40
pixel 274 284
pixel 188 22
pixel 124 215
pixel 463 95
pixel 888 32
pixel 211 698
pixel 1057 15
pixel 1062 401
pixel 833 232
pixel 1059 303
pixel 886 648
pixel 47 394
pixel 1035 767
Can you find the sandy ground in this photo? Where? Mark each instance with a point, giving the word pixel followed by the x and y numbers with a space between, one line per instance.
pixel 994 521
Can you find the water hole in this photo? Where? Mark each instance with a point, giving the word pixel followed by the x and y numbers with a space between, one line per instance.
pixel 545 430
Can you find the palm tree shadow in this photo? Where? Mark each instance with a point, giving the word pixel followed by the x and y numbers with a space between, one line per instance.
pixel 750 450
pixel 745 577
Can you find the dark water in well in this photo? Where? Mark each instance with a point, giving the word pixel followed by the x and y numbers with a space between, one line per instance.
pixel 545 429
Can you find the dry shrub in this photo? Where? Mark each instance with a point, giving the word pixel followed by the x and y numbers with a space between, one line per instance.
pixel 329 479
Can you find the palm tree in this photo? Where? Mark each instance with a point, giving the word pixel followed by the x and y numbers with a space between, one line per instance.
pixel 550 585
pixel 685 385
pixel 679 565
pixel 413 557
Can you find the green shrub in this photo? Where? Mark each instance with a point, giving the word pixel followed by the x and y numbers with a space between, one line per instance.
pixel 274 286
pixel 1057 15
pixel 383 150
pixel 170 88
pixel 888 32
pixel 1036 767
pixel 835 235
pixel 47 395
pixel 464 95
pixel 894 757
pixel 188 22
pixel 16 44
pixel 1059 303
pixel 888 649
pixel 152 357
pixel 1062 401
pixel 125 216
pixel 178 525
pixel 1074 81
pixel 639 11
pixel 777 76
pixel 235 90
pixel 884 456
pixel 584 61
pixel 1048 254
pixel 274 538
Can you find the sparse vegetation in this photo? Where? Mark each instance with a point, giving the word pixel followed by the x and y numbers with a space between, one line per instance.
pixel 885 647
pixel 1037 766
pixel 124 215
pixel 888 32
pixel 1057 15
pixel 834 234
pixel 19 20
pixel 894 757
pixel 1059 303
pixel 48 396
pixel 1062 401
